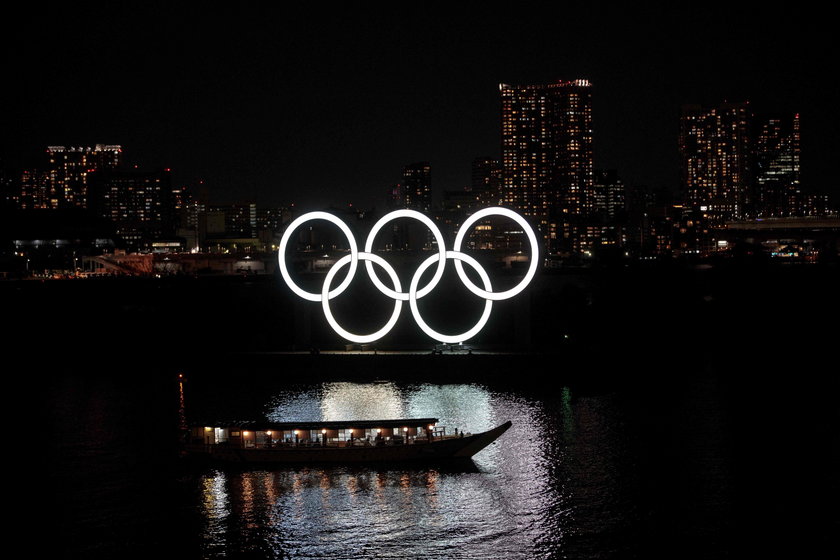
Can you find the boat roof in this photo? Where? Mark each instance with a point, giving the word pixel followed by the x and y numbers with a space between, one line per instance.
pixel 312 425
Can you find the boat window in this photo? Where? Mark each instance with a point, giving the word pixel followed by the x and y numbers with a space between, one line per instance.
pixel 370 433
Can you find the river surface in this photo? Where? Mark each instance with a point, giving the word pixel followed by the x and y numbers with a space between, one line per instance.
pixel 674 413
pixel 701 468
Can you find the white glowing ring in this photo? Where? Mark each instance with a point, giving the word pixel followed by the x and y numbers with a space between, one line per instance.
pixel 441 253
pixel 413 293
pixel 532 239
pixel 325 299
pixel 412 299
pixel 354 254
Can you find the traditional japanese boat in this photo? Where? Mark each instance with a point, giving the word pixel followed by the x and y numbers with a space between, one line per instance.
pixel 362 441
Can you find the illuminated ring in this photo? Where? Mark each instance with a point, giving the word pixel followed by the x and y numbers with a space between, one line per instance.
pixel 354 254
pixel 532 239
pixel 412 299
pixel 441 253
pixel 325 298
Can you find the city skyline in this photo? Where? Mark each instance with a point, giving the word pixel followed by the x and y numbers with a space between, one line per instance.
pixel 658 333
pixel 329 114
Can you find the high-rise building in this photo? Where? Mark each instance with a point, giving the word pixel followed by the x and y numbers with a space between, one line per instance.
pixel 69 170
pixel 417 186
pixel 486 180
pixel 413 192
pixel 715 160
pixel 273 219
pixel 34 190
pixel 139 203
pixel 233 220
pixel 776 168
pixel 609 195
pixel 547 157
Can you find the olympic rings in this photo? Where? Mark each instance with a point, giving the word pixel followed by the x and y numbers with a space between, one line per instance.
pixel 414 292
pixel 532 239
pixel 354 254
pixel 438 238
pixel 360 339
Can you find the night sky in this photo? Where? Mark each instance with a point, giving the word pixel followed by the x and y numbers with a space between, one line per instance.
pixel 325 106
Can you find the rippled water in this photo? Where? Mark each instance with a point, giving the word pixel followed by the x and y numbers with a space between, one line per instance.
pixel 521 499
pixel 687 469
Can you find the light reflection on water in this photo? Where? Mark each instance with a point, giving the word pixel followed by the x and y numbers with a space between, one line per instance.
pixel 503 506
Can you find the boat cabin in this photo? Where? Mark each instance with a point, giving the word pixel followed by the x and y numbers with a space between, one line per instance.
pixel 254 435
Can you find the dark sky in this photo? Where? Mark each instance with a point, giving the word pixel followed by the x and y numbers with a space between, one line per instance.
pixel 324 107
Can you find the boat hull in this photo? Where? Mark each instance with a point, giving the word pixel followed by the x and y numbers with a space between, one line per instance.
pixel 453 448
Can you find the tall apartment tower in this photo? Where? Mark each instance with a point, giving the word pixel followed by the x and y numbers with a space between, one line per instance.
pixel 547 160
pixel 776 167
pixel 715 160
pixel 35 190
pixel 609 195
pixel 139 203
pixel 486 180
pixel 417 186
pixel 69 169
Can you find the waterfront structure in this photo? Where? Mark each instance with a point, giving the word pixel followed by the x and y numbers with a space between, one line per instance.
pixel 715 160
pixel 547 155
pixel 70 169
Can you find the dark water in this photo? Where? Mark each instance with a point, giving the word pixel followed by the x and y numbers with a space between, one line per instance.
pixel 688 414
pixel 699 467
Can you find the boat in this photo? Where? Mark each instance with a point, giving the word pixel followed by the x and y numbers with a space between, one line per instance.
pixel 361 441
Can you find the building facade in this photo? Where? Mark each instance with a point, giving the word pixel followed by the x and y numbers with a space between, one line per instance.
pixel 776 168
pixel 715 156
pixel 547 153
pixel 139 203
pixel 69 171
pixel 486 180
pixel 34 191
pixel 417 186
